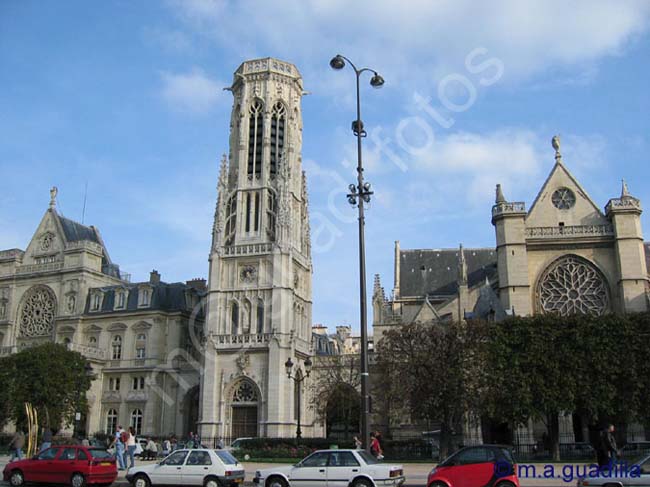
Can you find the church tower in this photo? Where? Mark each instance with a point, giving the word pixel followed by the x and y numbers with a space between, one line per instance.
pixel 259 297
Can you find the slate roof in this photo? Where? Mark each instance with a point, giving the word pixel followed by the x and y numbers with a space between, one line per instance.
pixel 434 272
pixel 75 232
pixel 165 297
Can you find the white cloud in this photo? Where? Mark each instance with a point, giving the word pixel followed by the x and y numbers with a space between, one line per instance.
pixel 420 40
pixel 193 92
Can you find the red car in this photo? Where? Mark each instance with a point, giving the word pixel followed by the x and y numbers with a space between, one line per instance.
pixel 476 466
pixel 73 465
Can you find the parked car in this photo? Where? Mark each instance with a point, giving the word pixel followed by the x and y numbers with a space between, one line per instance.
pixel 200 466
pixel 66 464
pixel 635 473
pixel 337 468
pixel 237 443
pixel 635 449
pixel 476 466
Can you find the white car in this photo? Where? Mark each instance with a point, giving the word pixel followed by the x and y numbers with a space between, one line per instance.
pixel 200 466
pixel 336 468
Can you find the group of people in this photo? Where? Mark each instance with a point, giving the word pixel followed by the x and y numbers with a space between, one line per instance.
pixel 125 446
pixel 375 445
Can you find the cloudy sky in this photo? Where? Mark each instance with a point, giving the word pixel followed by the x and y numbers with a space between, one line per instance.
pixel 126 97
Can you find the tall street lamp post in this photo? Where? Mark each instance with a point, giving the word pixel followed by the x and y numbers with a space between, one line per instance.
pixel 297 377
pixel 360 194
pixel 77 415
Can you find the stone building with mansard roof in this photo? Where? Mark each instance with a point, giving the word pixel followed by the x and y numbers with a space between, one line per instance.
pixel 563 255
pixel 137 336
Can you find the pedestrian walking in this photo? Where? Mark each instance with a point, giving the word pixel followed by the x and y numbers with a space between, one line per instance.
pixel 220 444
pixel 130 446
pixel 607 451
pixel 166 447
pixel 119 448
pixel 47 439
pixel 375 446
pixel 16 445
pixel 358 445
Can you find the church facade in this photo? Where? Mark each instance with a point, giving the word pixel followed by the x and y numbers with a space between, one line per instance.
pixel 563 255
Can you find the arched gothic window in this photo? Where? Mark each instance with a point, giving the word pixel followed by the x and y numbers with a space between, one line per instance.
pixel 245 391
pixel 111 422
pixel 246 317
pixel 278 122
pixel 136 421
pixel 234 318
pixel 255 135
pixel 117 347
pixel 38 312
pixel 231 220
pixel 260 316
pixel 271 212
pixel 572 285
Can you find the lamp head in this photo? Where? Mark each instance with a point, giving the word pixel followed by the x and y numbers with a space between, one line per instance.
pixel 377 81
pixel 288 365
pixel 337 62
pixel 308 365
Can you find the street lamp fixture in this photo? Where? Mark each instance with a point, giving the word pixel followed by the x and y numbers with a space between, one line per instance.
pixel 359 194
pixel 298 378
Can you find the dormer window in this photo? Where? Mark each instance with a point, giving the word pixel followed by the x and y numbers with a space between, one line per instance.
pixel 120 299
pixel 144 296
pixel 96 300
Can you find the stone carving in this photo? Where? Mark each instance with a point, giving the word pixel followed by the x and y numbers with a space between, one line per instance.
pixel 243 362
pixel 46 241
pixel 38 312
pixel 248 274
pixel 53 192
pixel 72 300
pixel 245 392
pixel 573 285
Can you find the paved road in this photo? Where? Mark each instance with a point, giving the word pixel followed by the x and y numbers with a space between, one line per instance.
pixel 416 474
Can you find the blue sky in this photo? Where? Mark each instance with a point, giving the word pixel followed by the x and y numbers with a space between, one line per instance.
pixel 127 97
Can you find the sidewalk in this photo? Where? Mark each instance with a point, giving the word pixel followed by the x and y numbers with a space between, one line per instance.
pixel 416 474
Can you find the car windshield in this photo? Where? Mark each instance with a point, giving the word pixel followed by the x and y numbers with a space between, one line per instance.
pixel 226 457
pixel 99 453
pixel 367 457
pixel 508 455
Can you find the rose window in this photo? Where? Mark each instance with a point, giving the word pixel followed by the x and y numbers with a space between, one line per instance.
pixel 563 199
pixel 37 313
pixel 573 286
pixel 245 392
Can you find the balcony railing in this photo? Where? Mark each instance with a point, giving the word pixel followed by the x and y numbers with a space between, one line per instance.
pixel 87 351
pixel 49 266
pixel 570 231
pixel 249 249
pixel 506 207
pixel 11 254
pixel 133 363
pixel 249 338
pixel 624 203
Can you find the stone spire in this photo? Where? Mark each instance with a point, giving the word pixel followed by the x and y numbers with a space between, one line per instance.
pixel 555 142
pixel 499 196
pixel 220 207
pixel 625 193
pixel 462 266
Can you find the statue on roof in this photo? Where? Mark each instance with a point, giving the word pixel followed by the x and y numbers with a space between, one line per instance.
pixel 53 193
pixel 555 142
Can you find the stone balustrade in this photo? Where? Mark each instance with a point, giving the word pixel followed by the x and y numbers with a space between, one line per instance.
pixel 249 249
pixel 624 203
pixel 570 231
pixel 87 351
pixel 245 339
pixel 49 266
pixel 508 207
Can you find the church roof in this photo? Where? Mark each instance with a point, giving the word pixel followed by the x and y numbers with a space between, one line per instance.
pixel 75 231
pixel 435 272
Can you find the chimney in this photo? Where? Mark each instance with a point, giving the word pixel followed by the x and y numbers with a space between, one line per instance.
pixel 154 277
pixel 197 283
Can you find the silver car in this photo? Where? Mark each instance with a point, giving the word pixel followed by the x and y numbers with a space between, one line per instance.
pixel 622 474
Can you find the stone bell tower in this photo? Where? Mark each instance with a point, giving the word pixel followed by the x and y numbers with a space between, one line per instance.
pixel 259 298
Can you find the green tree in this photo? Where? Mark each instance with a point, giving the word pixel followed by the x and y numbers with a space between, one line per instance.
pixel 435 369
pixel 50 377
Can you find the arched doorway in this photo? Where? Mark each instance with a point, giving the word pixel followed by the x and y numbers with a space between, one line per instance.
pixel 191 408
pixel 244 405
pixel 343 412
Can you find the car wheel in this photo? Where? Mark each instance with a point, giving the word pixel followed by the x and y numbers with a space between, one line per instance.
pixel 437 484
pixel 17 478
pixel 505 483
pixel 276 482
pixel 211 482
pixel 77 480
pixel 362 483
pixel 141 481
